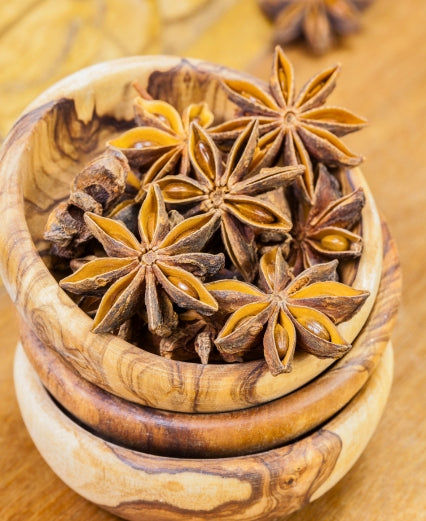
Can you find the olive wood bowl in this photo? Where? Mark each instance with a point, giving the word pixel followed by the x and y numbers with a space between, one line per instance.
pixel 232 433
pixel 138 486
pixel 59 132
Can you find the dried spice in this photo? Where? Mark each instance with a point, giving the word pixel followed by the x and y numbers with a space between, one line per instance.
pixel 164 231
pixel 318 21
pixel 303 309
pixel 302 124
pixel 194 336
pixel 161 138
pixel 322 231
pixel 95 189
pixel 229 191
pixel 159 269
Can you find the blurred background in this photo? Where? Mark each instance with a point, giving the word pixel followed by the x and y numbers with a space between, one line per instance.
pixel 383 79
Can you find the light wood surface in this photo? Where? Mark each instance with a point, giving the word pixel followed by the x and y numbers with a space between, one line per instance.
pixel 258 487
pixel 384 79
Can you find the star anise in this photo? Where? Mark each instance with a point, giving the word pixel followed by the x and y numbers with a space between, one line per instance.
pixel 160 269
pixel 316 20
pixel 94 189
pixel 229 191
pixel 195 335
pixel 160 140
pixel 302 124
pixel 321 231
pixel 302 310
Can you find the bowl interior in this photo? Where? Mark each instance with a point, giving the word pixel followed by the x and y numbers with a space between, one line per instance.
pixel 75 128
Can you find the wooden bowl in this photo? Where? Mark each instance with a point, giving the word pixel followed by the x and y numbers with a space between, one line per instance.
pixel 63 129
pixel 137 486
pixel 233 433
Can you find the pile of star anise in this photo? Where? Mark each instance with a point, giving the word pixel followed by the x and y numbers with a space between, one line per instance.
pixel 219 242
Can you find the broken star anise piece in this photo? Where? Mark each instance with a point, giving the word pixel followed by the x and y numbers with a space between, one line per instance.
pixel 302 124
pixel 160 269
pixel 94 189
pixel 228 191
pixel 194 336
pixel 316 20
pixel 160 140
pixel 290 311
pixel 322 231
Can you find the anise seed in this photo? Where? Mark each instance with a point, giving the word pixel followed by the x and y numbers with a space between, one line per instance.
pixel 151 226
pixel 282 77
pixel 269 270
pixel 334 242
pixel 314 327
pixel 258 155
pixel 179 191
pixel 183 286
pixel 248 96
pixel 204 156
pixel 142 144
pixel 162 118
pixel 256 213
pixel 281 340
pixel 182 235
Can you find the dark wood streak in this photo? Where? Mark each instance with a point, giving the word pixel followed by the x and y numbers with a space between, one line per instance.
pixel 200 82
pixel 228 433
pixel 84 135
pixel 280 481
pixel 246 387
pixel 181 85
pixel 71 138
pixel 21 127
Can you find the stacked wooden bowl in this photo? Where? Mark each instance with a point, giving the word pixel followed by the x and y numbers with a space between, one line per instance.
pixel 151 438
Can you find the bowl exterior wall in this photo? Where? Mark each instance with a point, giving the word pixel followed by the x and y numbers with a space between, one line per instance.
pixel 137 486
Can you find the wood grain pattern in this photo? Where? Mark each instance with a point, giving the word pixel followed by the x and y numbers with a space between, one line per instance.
pixel 264 486
pixel 186 21
pixel 237 432
pixel 72 25
pixel 83 111
pixel 383 78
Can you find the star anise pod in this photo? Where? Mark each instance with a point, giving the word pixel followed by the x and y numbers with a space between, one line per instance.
pixel 316 20
pixel 160 140
pixel 229 191
pixel 194 336
pixel 160 269
pixel 302 124
pixel 322 231
pixel 94 189
pixel 302 310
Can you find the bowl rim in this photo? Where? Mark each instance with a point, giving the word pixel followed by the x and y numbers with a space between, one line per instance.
pixel 110 362
pixel 126 482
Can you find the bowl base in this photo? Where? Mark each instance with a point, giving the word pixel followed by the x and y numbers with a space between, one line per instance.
pixel 138 486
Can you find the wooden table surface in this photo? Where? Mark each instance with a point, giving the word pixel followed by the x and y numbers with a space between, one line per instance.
pixel 383 78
